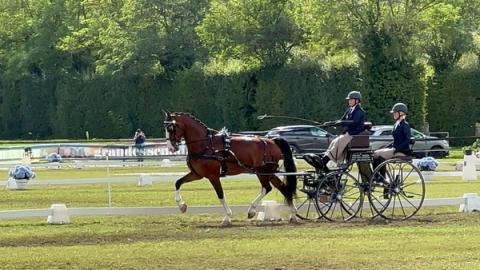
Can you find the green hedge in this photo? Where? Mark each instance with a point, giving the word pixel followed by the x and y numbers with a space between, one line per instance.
pixel 114 106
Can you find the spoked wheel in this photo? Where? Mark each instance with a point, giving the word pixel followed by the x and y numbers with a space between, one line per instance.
pixel 305 199
pixel 397 189
pixel 339 196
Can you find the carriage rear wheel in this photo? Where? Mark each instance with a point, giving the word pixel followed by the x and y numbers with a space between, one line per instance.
pixel 339 196
pixel 397 189
pixel 305 199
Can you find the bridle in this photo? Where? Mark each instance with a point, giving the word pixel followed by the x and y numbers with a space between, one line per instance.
pixel 171 128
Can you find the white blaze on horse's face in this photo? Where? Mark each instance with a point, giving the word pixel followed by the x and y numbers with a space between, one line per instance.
pixel 170 134
pixel 171 148
pixel 169 143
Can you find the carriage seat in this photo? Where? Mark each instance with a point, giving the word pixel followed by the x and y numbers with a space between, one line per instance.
pixel 359 147
pixel 360 142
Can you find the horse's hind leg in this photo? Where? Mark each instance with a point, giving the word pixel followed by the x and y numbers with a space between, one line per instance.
pixel 266 188
pixel 217 185
pixel 276 182
pixel 191 176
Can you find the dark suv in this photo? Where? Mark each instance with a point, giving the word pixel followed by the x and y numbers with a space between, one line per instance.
pixel 303 138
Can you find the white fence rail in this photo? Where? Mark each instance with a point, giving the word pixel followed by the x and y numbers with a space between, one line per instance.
pixel 469 202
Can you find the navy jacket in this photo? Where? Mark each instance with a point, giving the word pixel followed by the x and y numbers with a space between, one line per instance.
pixel 401 138
pixel 358 124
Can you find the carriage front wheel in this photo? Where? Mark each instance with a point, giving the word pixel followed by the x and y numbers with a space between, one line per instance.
pixel 397 189
pixel 305 198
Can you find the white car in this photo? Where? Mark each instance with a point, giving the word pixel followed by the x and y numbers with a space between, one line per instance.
pixel 381 136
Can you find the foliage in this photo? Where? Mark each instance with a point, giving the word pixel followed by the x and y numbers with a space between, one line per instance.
pixel 109 67
pixel 453 102
pixel 255 30
pixel 427 164
pixel 53 157
pixel 21 172
pixel 474 147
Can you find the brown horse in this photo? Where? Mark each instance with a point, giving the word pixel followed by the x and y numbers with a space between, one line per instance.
pixel 213 154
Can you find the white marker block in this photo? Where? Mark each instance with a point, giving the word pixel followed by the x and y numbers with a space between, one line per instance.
pixel 271 210
pixel 472 203
pixel 469 170
pixel 166 163
pixel 144 180
pixel 59 214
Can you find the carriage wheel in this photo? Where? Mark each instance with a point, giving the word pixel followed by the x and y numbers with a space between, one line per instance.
pixel 339 196
pixel 305 199
pixel 397 192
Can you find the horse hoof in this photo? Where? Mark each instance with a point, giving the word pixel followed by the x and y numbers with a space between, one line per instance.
pixel 251 214
pixel 226 223
pixel 183 208
pixel 293 220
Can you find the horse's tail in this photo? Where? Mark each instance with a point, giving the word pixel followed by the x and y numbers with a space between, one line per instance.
pixel 289 163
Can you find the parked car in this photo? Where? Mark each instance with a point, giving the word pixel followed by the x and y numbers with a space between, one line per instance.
pixel 381 136
pixel 303 138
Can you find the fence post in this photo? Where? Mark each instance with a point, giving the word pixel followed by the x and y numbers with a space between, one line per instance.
pixel 109 194
pixel 426 128
pixel 477 129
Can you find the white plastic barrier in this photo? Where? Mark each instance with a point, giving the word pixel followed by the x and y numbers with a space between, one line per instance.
pixel 144 180
pixel 14 184
pixel 166 162
pixel 271 211
pixel 469 170
pixel 472 203
pixel 58 215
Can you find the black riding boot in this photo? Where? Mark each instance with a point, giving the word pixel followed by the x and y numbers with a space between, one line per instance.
pixel 381 178
pixel 376 162
pixel 324 162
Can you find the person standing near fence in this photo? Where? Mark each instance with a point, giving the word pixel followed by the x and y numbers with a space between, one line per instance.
pixel 139 140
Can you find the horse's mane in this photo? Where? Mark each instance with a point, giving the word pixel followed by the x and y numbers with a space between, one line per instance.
pixel 191 117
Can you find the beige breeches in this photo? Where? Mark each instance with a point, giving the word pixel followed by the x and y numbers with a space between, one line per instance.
pixel 387 153
pixel 336 151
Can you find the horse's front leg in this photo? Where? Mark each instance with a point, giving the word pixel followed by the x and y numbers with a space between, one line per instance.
pixel 191 176
pixel 217 185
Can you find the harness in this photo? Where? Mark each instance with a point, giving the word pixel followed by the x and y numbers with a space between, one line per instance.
pixel 223 154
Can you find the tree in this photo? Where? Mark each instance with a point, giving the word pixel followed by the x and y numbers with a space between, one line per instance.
pixel 256 31
pixel 443 36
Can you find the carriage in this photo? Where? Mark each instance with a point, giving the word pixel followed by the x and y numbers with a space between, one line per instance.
pixel 394 190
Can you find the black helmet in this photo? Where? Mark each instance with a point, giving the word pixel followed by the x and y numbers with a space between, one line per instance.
pixel 399 107
pixel 354 95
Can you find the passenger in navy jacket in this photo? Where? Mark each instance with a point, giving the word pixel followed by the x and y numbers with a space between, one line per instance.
pixel 353 122
pixel 401 137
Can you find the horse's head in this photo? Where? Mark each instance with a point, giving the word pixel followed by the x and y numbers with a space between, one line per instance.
pixel 174 131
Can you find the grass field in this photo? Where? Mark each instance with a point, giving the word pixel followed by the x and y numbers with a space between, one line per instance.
pixel 437 238
pixel 435 241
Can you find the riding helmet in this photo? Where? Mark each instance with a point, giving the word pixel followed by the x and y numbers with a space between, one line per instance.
pixel 399 107
pixel 354 95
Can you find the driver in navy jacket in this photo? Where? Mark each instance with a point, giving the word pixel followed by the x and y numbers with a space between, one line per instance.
pixel 353 122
